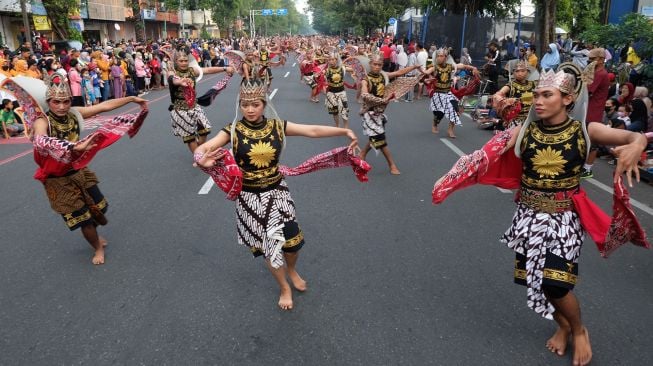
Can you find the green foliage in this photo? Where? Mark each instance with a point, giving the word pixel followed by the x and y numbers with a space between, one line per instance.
pixel 634 28
pixel 58 11
pixel 495 8
pixel 577 16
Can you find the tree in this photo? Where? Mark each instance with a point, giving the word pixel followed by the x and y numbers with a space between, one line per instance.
pixel 59 12
pixel 578 15
pixel 546 18
pixel 495 8
pixel 633 29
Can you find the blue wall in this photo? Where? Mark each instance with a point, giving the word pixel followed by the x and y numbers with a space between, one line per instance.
pixel 619 8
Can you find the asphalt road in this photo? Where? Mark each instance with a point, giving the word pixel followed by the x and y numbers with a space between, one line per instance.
pixel 393 280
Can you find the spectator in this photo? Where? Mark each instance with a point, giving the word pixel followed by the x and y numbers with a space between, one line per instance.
pixel 531 57
pixel 626 93
pixel 140 73
pixel 641 92
pixel 581 55
pixel 638 116
pixel 75 80
pixel 33 70
pixel 421 59
pixel 551 58
pixel 20 68
pixel 412 60
pixel 9 125
pixel 611 107
pixel 117 78
pixel 465 58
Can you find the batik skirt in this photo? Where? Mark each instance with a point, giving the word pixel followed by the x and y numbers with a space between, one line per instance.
pixel 189 123
pixel 77 198
pixel 547 247
pixel 336 104
pixel 266 223
pixel 446 103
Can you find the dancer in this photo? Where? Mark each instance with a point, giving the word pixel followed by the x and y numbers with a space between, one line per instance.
pixel 443 102
pixel 62 156
pixel 188 119
pixel 553 212
pixel 311 73
pixel 520 88
pixel 336 96
pixel 375 101
pixel 264 209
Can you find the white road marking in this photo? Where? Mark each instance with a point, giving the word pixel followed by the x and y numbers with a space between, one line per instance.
pixel 287 73
pixel 293 65
pixel 633 202
pixel 459 152
pixel 274 92
pixel 206 187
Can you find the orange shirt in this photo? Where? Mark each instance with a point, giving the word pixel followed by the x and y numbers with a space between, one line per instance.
pixel 104 68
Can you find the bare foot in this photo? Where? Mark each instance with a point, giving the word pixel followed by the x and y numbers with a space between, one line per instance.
pixel 582 348
pixel 98 258
pixel 394 170
pixel 558 343
pixel 450 132
pixel 103 241
pixel 297 282
pixel 285 299
pixel 434 129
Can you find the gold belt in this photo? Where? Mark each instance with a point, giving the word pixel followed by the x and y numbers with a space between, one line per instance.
pixel 546 202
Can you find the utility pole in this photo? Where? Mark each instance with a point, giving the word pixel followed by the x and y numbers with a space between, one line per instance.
pixel 28 32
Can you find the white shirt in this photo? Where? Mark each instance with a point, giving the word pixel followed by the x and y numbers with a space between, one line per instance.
pixel 422 57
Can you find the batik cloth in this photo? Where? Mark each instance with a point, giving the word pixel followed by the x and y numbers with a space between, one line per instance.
pixel 445 102
pixel 189 123
pixel 374 127
pixel 266 223
pixel 336 103
pixel 77 198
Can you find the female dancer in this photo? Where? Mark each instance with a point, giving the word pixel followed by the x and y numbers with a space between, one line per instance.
pixel 188 119
pixel 264 208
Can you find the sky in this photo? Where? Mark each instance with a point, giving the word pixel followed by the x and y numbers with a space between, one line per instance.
pixel 300 5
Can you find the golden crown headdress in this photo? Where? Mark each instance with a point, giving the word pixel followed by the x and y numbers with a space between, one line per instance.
pixel 560 80
pixel 253 90
pixel 442 51
pixel 376 56
pixel 521 65
pixel 57 87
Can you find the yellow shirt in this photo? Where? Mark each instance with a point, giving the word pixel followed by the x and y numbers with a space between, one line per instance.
pixel 532 60
pixel 632 57
pixel 104 68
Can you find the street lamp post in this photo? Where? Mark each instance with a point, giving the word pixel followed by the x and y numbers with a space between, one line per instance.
pixel 162 7
pixel 28 32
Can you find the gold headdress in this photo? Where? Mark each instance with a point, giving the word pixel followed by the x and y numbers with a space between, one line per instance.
pixel 521 65
pixel 57 87
pixel 376 56
pixel 442 51
pixel 253 90
pixel 560 80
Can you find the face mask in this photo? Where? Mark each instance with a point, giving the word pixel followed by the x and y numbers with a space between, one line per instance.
pixel 607 109
pixel 621 114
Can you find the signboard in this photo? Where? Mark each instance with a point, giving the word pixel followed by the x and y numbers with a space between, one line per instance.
pixel 41 23
pixel 77 24
pixel 392 21
pixel 647 11
pixel 282 11
pixel 148 14
pixel 266 12
pixel 38 8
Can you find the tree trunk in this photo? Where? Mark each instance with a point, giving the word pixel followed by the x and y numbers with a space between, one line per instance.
pixel 55 17
pixel 546 14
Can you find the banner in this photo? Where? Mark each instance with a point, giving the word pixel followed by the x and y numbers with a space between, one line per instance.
pixel 41 23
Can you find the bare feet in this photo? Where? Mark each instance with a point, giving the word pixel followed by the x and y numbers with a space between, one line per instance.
pixel 394 170
pixel 450 132
pixel 285 298
pixel 103 241
pixel 582 348
pixel 98 258
pixel 297 282
pixel 434 129
pixel 558 343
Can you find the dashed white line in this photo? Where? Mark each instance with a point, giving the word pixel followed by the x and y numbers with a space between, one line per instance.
pixel 633 202
pixel 206 188
pixel 293 65
pixel 459 152
pixel 287 73
pixel 274 92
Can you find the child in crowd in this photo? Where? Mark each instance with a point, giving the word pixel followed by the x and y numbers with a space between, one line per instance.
pixel 9 125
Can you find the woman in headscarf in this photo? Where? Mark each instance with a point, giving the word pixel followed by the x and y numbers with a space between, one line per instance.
pixel 465 58
pixel 626 93
pixel 551 58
